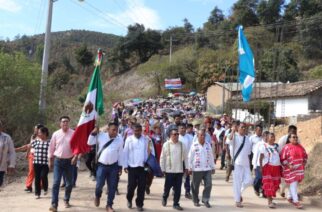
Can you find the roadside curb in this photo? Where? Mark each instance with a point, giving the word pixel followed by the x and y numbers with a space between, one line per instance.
pixel 314 201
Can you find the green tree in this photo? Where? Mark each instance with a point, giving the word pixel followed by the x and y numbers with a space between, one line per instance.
pixel 187 26
pixel 84 57
pixel 316 72
pixel 244 13
pixel 20 83
pixel 269 11
pixel 279 63
pixel 216 16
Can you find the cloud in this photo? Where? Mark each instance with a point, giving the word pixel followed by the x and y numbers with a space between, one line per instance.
pixel 135 11
pixel 10 6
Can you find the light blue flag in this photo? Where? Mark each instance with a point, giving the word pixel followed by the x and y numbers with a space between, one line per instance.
pixel 246 65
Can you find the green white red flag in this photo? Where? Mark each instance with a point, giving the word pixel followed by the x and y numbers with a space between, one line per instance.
pixel 93 108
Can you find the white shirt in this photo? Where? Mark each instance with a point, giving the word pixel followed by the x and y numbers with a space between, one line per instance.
pixel 271 154
pixel 207 138
pixel 186 141
pixel 172 157
pixel 113 153
pixel 255 139
pixel 217 133
pixel 235 143
pixel 135 152
pixel 256 155
pixel 201 157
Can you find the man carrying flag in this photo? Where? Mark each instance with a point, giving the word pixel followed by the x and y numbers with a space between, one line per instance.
pixel 246 65
pixel 93 107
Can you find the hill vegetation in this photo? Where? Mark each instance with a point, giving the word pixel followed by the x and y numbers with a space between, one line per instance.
pixel 286 39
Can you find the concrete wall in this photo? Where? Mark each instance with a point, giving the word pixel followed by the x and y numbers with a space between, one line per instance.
pixel 215 96
pixel 292 107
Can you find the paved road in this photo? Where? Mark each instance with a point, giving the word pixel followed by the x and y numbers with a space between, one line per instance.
pixel 14 199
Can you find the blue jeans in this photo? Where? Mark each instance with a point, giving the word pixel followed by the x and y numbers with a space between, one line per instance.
pixel 74 173
pixel 1 178
pixel 62 166
pixel 108 173
pixel 258 180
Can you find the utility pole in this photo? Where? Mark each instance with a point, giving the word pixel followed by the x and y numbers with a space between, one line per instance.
pixel 44 67
pixel 170 53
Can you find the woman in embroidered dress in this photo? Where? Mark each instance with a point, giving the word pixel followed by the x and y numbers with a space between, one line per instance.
pixel 271 168
pixel 293 158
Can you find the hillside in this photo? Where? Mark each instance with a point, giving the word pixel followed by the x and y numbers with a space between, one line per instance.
pixel 63 44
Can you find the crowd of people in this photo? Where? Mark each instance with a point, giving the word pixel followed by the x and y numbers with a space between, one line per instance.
pixel 170 138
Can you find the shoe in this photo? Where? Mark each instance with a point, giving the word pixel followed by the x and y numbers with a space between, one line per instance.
pixel 93 178
pixel 178 207
pixel 28 190
pixel 37 197
pixel 196 204
pixel 109 209
pixel 63 186
pixel 283 194
pixel 188 195
pixel 67 205
pixel 129 204
pixel 164 202
pixel 272 205
pixel 45 193
pixel 257 193
pixel 221 168
pixel 241 199
pixel 97 202
pixel 117 192
pixel 206 204
pixel 139 208
pixel 290 200
pixel 53 208
pixel 147 190
pixel 227 179
pixel 239 205
pixel 298 205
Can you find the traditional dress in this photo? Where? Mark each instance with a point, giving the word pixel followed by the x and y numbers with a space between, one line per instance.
pixel 271 169
pixel 296 156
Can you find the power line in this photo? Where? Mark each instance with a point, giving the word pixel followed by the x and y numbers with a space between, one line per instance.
pixel 94 13
pixel 105 14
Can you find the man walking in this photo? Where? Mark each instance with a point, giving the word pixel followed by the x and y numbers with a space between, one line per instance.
pixel 136 153
pixel 186 140
pixel 172 161
pixel 60 158
pixel 109 156
pixel 201 166
pixel 7 154
pixel 241 148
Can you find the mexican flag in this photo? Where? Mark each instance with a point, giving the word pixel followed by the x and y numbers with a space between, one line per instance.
pixel 93 107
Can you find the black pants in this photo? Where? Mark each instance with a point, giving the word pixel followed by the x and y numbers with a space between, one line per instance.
pixel 41 177
pixel 173 180
pixel 223 159
pixel 136 178
pixel 1 177
pixel 90 163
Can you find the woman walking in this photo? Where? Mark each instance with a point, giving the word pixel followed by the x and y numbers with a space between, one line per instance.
pixel 270 167
pixel 40 145
pixel 293 159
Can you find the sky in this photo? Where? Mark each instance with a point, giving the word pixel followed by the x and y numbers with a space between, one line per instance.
pixel 28 17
